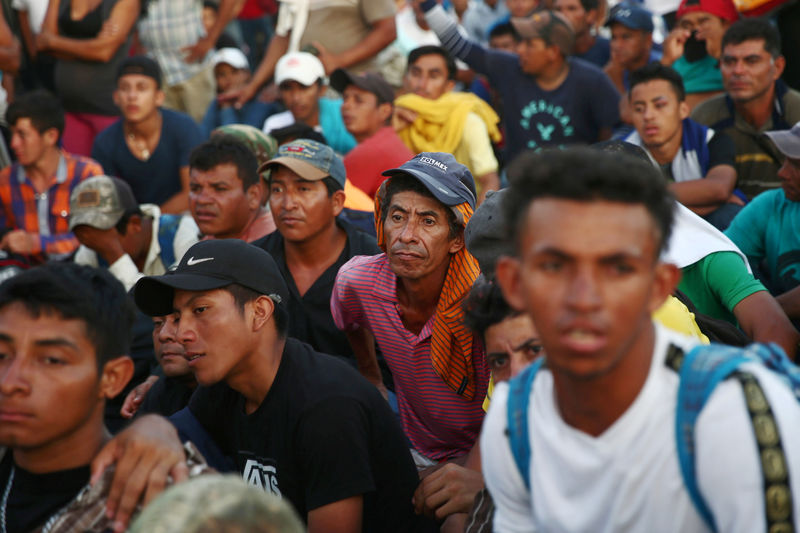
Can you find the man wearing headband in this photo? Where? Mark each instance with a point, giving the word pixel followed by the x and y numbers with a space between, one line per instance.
pixel 408 299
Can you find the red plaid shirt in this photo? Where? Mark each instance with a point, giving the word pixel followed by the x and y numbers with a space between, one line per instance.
pixel 46 214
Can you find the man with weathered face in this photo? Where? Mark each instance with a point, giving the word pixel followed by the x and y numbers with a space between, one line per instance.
pixel 589 230
pixel 755 101
pixel 409 301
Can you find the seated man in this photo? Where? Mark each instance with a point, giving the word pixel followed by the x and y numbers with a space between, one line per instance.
pixel 149 146
pixel 756 101
pixel 306 182
pixel 367 106
pixel 434 118
pixel 64 339
pixel 225 192
pixel 766 229
pixel 408 299
pixel 589 228
pixel 549 99
pixel 232 71
pixel 129 239
pixel 34 191
pixel 299 424
pixel 300 77
pixel 697 161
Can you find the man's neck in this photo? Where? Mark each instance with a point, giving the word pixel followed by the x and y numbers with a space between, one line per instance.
pixel 40 172
pixel 758 111
pixel 243 232
pixel 666 152
pixel 417 298
pixel 255 373
pixel 584 42
pixel 592 405
pixel 323 248
pixel 311 120
pixel 73 451
pixel 553 75
pixel 361 137
pixel 146 127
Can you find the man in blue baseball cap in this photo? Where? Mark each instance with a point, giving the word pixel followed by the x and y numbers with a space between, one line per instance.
pixel 408 299
pixel 631 43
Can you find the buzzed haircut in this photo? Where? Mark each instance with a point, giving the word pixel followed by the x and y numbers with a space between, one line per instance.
pixel 752 29
pixel 485 306
pixel 41 107
pixel 587 175
pixel 657 71
pixel 503 28
pixel 430 49
pixel 71 291
pixel 226 149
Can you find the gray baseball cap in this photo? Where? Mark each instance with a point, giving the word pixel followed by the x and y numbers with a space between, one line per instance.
pixel 311 160
pixel 99 202
pixel 787 141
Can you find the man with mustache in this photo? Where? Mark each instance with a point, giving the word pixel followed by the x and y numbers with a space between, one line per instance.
pixel 408 299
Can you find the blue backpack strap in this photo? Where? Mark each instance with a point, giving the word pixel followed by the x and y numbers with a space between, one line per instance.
pixel 702 369
pixel 167 228
pixel 519 393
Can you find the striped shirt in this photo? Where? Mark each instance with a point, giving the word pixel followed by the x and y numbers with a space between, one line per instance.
pixel 46 213
pixel 439 423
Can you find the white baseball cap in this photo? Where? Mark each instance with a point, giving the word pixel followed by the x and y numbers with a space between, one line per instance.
pixel 233 57
pixel 301 67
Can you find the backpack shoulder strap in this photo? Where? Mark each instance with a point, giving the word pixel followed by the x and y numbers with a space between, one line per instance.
pixel 701 370
pixel 167 228
pixel 519 393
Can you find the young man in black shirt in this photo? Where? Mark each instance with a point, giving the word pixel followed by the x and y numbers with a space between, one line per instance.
pixel 64 336
pixel 306 194
pixel 298 424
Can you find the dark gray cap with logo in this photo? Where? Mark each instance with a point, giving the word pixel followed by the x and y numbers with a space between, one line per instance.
pixel 449 181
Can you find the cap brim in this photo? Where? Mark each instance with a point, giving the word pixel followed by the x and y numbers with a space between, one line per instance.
pixel 307 171
pixel 444 195
pixel 787 142
pixel 154 295
pixel 93 219
pixel 525 27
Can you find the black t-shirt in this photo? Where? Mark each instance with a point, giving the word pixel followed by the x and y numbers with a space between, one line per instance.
pixel 310 318
pixel 34 498
pixel 322 434
pixel 166 397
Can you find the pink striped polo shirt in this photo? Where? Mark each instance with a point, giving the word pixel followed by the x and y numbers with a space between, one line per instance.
pixel 439 423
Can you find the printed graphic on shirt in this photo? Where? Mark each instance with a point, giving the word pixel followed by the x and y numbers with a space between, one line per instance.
pixel 789 268
pixel 552 124
pixel 260 472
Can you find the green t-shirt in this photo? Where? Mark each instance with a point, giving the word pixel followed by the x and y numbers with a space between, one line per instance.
pixel 700 76
pixel 718 282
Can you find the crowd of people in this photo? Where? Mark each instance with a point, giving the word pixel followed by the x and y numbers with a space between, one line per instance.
pixel 399 265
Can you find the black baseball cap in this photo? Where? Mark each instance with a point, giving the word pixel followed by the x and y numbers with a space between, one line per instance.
pixel 368 81
pixel 209 265
pixel 449 181
pixel 140 65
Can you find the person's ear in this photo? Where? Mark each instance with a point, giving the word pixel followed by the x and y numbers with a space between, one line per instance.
pixel 117 98
pixel 51 136
pixel 254 194
pixel 263 308
pixel 665 280
pixel 337 201
pixel 507 272
pixel 385 111
pixel 450 85
pixel 780 64
pixel 683 109
pixel 115 376
pixel 458 243
pixel 160 97
pixel 134 225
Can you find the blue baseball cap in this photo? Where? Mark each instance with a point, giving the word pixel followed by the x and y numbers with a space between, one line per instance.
pixel 311 160
pixel 631 16
pixel 449 181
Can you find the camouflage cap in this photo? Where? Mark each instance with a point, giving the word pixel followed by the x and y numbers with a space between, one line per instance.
pixel 99 202
pixel 264 146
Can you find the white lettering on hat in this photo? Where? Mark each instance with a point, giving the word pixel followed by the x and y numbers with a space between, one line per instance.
pixel 192 261
pixel 435 163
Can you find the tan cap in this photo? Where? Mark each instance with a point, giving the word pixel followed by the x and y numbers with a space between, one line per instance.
pixel 553 28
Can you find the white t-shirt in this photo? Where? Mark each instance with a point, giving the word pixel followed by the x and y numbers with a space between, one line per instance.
pixel 36 10
pixel 628 479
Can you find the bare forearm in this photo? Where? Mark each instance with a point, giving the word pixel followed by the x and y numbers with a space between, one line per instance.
pixel 382 34
pixel 363 344
pixel 266 69
pixel 713 190
pixel 763 320
pixel 489 182
pixel 790 303
pixel 228 9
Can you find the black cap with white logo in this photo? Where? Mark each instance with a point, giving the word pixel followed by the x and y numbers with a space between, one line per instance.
pixel 209 265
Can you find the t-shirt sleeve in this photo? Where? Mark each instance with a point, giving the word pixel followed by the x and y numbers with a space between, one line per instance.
pixel 334 452
pixel 729 472
pixel 721 150
pixel 374 10
pixel 748 228
pixel 729 279
pixel 346 307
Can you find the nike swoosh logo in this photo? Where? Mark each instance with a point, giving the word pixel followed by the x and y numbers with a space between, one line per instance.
pixel 192 261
